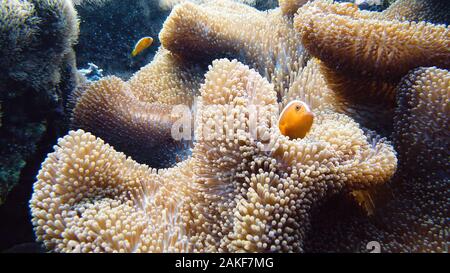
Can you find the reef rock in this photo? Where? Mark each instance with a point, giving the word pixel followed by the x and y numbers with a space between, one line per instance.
pixel 38 72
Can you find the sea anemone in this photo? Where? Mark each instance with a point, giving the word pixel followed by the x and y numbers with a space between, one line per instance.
pixel 364 56
pixel 246 187
pixel 268 43
pixel 410 213
pixel 137 116
pixel 238 191
pixel 432 11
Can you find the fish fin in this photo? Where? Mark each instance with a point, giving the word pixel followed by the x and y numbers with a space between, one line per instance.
pixel 364 199
pixel 282 128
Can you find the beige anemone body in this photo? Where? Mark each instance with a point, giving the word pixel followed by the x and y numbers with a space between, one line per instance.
pixel 411 214
pixel 170 4
pixel 364 54
pixel 216 29
pixel 366 60
pixel 236 193
pixel 290 7
pixel 433 11
pixel 136 116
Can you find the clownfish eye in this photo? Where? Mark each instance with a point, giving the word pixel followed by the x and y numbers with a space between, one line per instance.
pixel 298 107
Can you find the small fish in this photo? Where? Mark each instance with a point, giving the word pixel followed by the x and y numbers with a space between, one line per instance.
pixel 141 45
pixel 368 199
pixel 364 200
pixel 296 119
pixel 351 5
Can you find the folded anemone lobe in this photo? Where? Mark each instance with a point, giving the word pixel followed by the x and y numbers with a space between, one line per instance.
pixel 267 41
pixel 260 4
pixel 410 214
pixel 364 55
pixel 137 116
pixel 433 11
pixel 310 86
pixel 422 120
pixel 354 44
pixel 90 198
pixel 191 28
pixel 167 80
pixel 290 7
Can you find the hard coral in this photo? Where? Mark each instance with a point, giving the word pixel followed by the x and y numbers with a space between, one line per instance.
pixel 27 44
pixel 238 192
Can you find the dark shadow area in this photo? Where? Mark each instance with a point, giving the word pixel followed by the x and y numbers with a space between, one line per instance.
pixel 16 230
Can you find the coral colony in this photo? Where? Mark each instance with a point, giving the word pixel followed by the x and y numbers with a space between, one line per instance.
pixel 314 127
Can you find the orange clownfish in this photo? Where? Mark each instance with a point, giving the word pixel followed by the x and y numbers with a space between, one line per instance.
pixel 141 45
pixel 295 120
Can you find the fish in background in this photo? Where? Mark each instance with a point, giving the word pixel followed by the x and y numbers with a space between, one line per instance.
pixel 141 45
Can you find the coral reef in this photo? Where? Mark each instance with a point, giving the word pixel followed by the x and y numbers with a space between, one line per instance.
pixel 364 56
pixel 91 3
pixel 38 73
pixel 137 116
pixel 236 192
pixel 411 214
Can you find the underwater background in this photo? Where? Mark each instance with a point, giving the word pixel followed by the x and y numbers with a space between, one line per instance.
pixel 375 73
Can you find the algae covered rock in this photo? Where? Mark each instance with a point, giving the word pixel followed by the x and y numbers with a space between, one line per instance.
pixel 38 72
